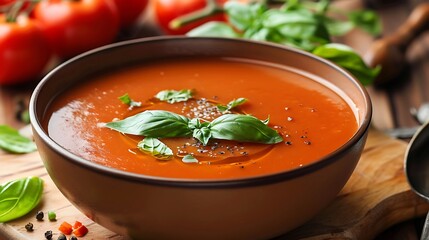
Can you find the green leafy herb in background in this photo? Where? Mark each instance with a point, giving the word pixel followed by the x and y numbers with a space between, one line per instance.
pixel 345 57
pixel 164 124
pixel 305 25
pixel 156 148
pixel 232 104
pixel 125 99
pixel 173 96
pixel 12 141
pixel 19 197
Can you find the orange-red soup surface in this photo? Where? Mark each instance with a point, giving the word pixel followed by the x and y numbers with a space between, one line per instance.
pixel 313 119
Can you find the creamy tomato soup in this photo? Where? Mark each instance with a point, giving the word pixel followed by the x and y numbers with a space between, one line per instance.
pixel 311 119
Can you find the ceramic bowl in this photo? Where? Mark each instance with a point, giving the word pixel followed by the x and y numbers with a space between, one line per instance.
pixel 159 208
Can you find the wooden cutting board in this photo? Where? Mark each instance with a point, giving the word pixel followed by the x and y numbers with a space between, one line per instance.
pixel 376 197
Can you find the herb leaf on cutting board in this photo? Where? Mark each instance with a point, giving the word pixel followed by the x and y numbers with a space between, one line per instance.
pixel 18 197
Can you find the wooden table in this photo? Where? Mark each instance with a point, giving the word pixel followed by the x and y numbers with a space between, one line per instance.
pixel 391 103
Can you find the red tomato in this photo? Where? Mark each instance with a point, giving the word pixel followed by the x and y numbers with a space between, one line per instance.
pixel 73 27
pixel 129 10
pixel 6 2
pixel 167 10
pixel 24 50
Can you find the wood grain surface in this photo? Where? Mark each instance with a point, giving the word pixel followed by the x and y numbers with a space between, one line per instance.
pixel 376 197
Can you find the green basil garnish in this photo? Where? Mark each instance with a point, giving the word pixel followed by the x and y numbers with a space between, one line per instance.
pixel 232 104
pixel 19 197
pixel 12 141
pixel 155 148
pixel 125 99
pixel 189 159
pixel 243 128
pixel 201 130
pixel 153 123
pixel 173 96
pixel 164 124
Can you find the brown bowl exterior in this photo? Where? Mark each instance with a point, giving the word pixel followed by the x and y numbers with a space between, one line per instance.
pixel 158 208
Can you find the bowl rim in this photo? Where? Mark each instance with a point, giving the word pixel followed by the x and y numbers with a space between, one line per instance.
pixel 199 183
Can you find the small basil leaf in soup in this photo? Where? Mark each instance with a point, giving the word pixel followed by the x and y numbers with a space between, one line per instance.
pixel 232 104
pixel 125 99
pixel 12 141
pixel 153 123
pixel 19 197
pixel 243 128
pixel 156 148
pixel 173 96
pixel 189 159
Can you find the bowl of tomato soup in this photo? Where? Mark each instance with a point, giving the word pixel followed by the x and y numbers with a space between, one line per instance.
pixel 199 138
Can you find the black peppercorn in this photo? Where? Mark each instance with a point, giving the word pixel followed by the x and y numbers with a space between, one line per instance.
pixel 73 238
pixel 29 227
pixel 48 235
pixel 62 237
pixel 40 215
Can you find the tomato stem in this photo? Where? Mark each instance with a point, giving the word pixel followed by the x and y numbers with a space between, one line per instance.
pixel 17 9
pixel 211 8
pixel 12 14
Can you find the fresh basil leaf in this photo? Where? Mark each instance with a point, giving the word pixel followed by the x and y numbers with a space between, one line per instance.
pixel 189 159
pixel 244 16
pixel 232 104
pixel 125 99
pixel 347 58
pixel 12 141
pixel 156 148
pixel 338 28
pixel 299 24
pixel 173 96
pixel 367 20
pixel 201 130
pixel 153 123
pixel 202 134
pixel 322 6
pixel 243 128
pixel 291 5
pixel 213 29
pixel 19 197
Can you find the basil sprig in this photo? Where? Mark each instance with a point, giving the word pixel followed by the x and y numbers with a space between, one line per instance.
pixel 173 96
pixel 19 197
pixel 232 104
pixel 301 24
pixel 155 148
pixel 12 141
pixel 125 99
pixel 164 124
